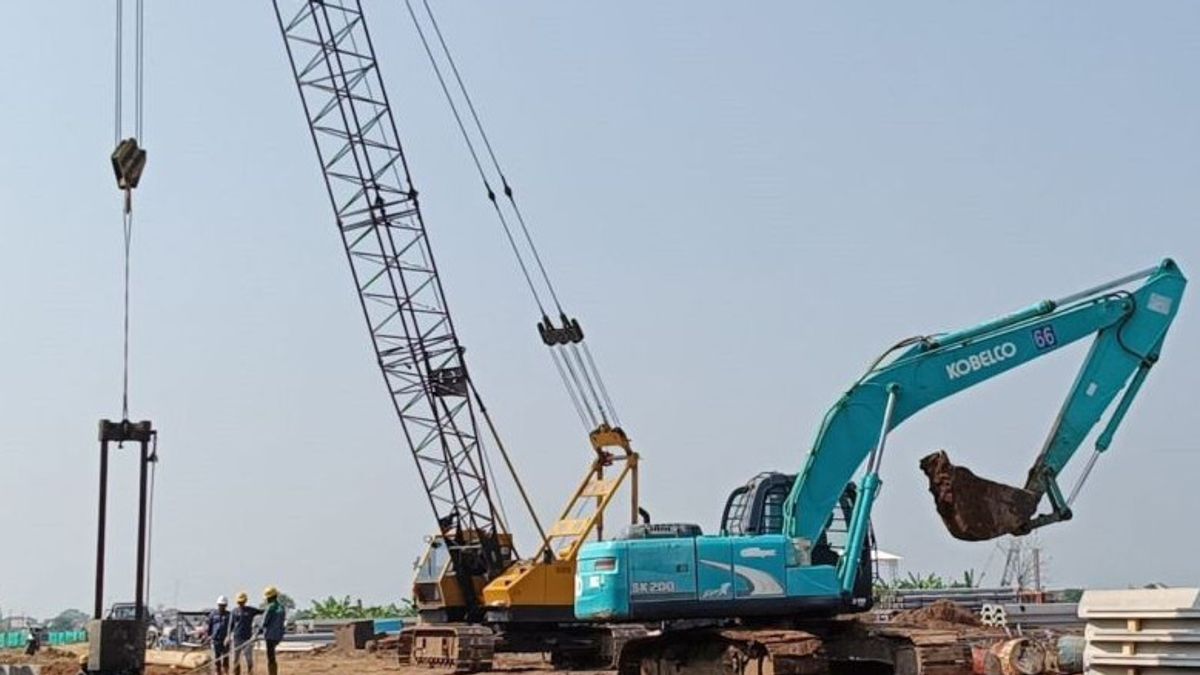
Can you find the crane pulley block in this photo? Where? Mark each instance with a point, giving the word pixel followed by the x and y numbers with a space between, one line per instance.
pixel 128 162
pixel 570 332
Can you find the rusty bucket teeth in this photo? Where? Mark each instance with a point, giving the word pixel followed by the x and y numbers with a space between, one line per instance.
pixel 974 508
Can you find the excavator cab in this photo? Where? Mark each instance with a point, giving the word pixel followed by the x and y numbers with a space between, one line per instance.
pixel 757 507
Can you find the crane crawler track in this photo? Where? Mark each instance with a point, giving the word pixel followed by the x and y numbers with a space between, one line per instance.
pixel 465 648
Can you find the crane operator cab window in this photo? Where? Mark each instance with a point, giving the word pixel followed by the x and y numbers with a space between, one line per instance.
pixel 431 569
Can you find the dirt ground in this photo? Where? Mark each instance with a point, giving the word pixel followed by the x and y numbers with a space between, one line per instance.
pixel 330 662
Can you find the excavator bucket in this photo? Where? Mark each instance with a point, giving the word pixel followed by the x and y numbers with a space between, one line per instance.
pixel 974 508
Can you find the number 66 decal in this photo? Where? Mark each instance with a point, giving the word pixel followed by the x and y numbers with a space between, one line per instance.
pixel 1044 337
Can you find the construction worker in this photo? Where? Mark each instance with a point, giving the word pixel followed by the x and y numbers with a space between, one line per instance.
pixel 273 621
pixel 218 632
pixel 83 665
pixel 243 634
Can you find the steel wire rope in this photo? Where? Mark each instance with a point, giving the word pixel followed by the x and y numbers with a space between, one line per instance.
pixel 496 207
pixel 596 400
pixel 587 352
pixel 139 70
pixel 462 128
pixel 573 349
pixel 574 399
pixel 566 359
pixel 117 71
pixel 508 191
pixel 118 124
pixel 127 225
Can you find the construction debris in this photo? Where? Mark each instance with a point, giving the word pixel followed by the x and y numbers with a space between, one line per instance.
pixel 974 508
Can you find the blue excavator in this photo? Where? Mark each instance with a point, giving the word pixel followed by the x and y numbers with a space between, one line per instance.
pixel 795 547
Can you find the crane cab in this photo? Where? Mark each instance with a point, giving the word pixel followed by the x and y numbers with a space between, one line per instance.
pixel 438 585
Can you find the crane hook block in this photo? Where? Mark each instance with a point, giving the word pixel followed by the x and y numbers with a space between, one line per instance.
pixel 128 162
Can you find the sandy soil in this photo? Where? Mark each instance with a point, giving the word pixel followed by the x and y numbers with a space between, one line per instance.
pixel 62 662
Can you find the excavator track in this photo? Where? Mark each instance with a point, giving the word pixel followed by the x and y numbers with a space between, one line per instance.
pixel 737 651
pixel 901 650
pixel 835 647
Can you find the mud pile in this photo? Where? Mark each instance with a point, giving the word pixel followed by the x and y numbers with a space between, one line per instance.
pixel 940 614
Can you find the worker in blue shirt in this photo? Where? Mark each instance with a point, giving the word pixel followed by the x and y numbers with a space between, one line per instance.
pixel 273 622
pixel 243 634
pixel 218 632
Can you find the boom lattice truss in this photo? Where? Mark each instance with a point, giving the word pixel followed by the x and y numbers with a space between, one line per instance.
pixel 379 219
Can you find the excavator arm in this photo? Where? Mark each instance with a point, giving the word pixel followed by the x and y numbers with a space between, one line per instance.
pixel 1128 328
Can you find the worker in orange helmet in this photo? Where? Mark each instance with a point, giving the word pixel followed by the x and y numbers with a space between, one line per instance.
pixel 273 622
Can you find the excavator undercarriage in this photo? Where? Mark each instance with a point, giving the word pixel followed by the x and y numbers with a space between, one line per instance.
pixel 466 647
pixel 842 645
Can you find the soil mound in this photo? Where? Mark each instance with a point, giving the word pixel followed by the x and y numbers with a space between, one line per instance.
pixel 941 614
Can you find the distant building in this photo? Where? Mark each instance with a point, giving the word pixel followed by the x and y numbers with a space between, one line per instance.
pixel 887 565
pixel 14 623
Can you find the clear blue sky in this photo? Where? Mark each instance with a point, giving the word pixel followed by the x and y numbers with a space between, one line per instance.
pixel 744 203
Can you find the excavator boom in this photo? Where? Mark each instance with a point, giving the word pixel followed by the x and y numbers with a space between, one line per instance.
pixel 1128 329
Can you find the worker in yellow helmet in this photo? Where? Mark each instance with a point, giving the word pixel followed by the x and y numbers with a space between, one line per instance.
pixel 243 634
pixel 273 621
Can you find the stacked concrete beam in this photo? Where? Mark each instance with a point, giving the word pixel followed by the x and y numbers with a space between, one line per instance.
pixel 1141 632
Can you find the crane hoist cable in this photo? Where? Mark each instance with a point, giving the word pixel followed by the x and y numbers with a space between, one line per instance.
pixel 508 191
pixel 128 161
pixel 575 364
pixel 491 426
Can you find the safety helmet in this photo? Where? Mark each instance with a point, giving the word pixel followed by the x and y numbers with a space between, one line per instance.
pixel 222 601
pixel 83 659
pixel 270 592
pixel 242 598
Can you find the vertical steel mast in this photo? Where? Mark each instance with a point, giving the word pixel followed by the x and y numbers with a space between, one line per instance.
pixel 377 213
